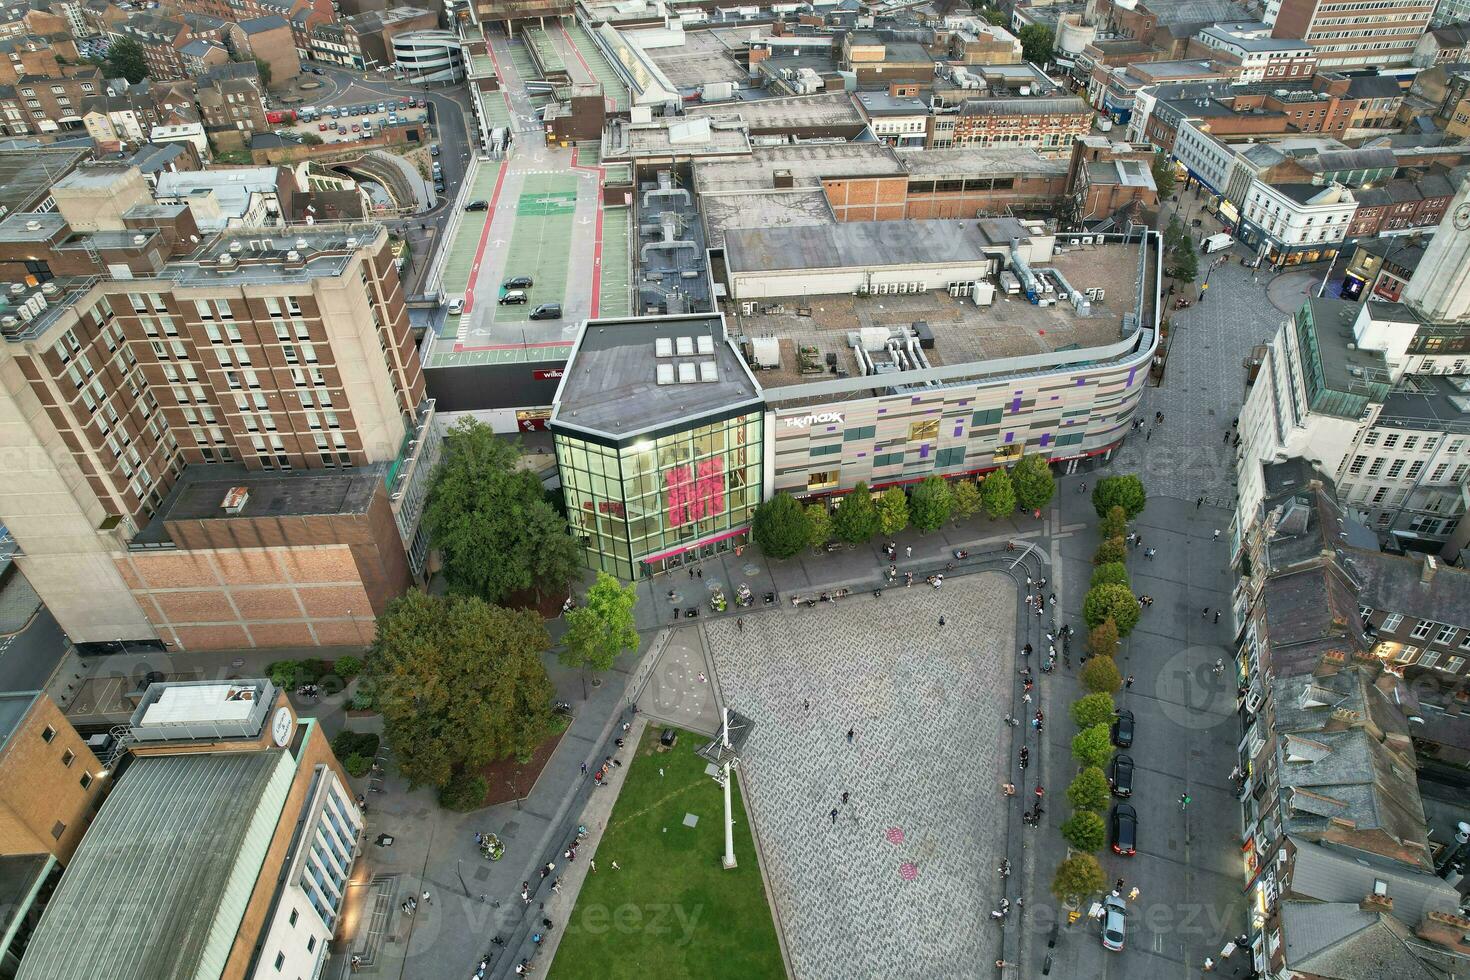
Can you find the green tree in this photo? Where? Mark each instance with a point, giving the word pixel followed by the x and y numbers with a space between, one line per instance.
pixel 463 792
pixel 1164 179
pixel 1111 551
pixel 1092 709
pixel 997 494
pixel 780 526
pixel 1100 675
pixel 1175 234
pixel 931 503
pixel 1037 41
pixel 1119 491
pixel 311 139
pixel 1093 746
pixel 459 682
pixel 893 510
pixel 1089 790
pixel 1113 573
pixel 1185 261
pixel 966 499
pixel 494 529
pixel 856 519
pixel 1077 877
pixel 1102 639
pixel 602 628
pixel 1115 602
pixel 1035 486
pixel 1114 523
pixel 819 523
pixel 125 60
pixel 264 68
pixel 1084 830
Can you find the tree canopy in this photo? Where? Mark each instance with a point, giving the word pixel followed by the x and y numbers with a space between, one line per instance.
pixel 494 528
pixel 125 60
pixel 1112 573
pixel 998 494
pixel 603 627
pixel 819 523
pixel 1093 746
pixel 1084 830
pixel 893 510
pixel 780 527
pixel 931 503
pixel 1092 709
pixel 1077 877
pixel 1035 486
pixel 1119 491
pixel 1037 41
pixel 1163 171
pixel 1100 675
pixel 966 498
pixel 856 519
pixel 1089 790
pixel 460 683
pixel 1102 639
pixel 1115 602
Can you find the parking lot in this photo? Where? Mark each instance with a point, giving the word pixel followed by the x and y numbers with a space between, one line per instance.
pixel 348 123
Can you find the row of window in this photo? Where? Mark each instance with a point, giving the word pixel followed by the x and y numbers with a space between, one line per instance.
pixel 1441 633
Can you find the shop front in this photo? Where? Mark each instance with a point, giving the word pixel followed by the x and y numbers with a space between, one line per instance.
pixel 656 504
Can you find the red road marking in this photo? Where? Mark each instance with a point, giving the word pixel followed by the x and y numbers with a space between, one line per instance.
pixel 460 348
pixel 596 302
pixel 469 291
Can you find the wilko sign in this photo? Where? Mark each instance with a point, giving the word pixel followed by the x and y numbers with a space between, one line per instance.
pixel 548 374
pixel 695 494
pixel 818 418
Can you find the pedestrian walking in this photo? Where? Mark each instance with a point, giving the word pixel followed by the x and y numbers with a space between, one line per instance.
pixel 660 773
pixel 616 866
pixel 584 772
pixel 1082 488
pixel 593 865
pixel 1216 535
pixel 1128 681
pixel 1205 614
pixel 1149 553
pixel 428 899
pixel 1199 503
pixel 1133 894
pixel 833 815
pixel 850 734
pixel 1217 615
pixel 941 620
pixel 556 886
pixel 844 797
pixel 1147 436
pixel 740 625
pixel 1118 886
pixel 908 551
pixel 1219 667
pixel 700 573
pixel 1209 965
pixel 806 705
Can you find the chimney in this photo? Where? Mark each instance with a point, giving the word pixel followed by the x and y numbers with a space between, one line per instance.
pixel 1445 929
pixel 1426 574
pixel 783 178
pixel 1377 903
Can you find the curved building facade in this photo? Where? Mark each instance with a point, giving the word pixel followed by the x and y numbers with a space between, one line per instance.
pixel 429 56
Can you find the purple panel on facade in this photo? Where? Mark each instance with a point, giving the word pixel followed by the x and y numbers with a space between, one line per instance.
pixel 924 451
pixel 862 455
pixel 1015 404
pixel 831 428
pixel 958 431
pixel 1131 372
pixel 1081 382
pixel 1056 398
pixel 962 402
pixel 1010 436
pixel 882 411
pixel 915 400
pixel 1045 438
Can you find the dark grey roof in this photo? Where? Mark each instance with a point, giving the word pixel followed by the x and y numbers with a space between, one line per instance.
pixel 1374 87
pixel 13 707
pixel 1350 783
pixel 152 157
pixel 1342 940
pixel 1430 401
pixel 1331 872
pixel 150 883
pixel 611 384
pixel 1362 159
pixel 259 25
pixel 1391 584
pixel 1452 35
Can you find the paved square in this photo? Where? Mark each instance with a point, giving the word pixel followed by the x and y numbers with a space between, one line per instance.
pixel 903 885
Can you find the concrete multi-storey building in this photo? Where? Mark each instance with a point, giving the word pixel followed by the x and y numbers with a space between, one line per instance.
pixel 1249 53
pixel 1354 33
pixel 149 354
pixel 1295 221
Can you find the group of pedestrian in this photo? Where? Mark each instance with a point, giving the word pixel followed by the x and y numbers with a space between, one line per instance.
pixel 1144 601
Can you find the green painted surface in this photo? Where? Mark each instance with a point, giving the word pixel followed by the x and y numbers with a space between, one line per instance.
pixel 541 242
pixel 455 277
pixel 612 86
pixel 545 54
pixel 615 297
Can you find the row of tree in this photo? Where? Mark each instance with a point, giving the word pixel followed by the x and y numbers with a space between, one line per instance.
pixel 1181 261
pixel 1110 610
pixel 783 527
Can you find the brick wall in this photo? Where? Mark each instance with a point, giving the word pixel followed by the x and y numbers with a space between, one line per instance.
pixel 39 789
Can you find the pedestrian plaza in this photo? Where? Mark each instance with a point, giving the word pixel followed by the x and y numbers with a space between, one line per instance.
pixel 901 884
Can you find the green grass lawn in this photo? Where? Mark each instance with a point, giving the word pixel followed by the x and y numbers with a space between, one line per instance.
pixel 672 911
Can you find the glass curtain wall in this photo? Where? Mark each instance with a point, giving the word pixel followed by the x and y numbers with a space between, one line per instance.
pixel 652 497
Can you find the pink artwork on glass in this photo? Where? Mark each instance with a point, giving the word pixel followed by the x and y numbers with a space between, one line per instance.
pixel 694 495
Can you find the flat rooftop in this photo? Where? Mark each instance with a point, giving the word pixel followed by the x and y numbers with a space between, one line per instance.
pixel 26 175
pixel 31 226
pixel 622 140
pixel 13 707
pixel 200 491
pixel 963 332
pixel 1429 401
pixel 808 164
pixel 787 112
pixel 805 206
pixel 150 884
pixel 612 383
pixel 265 254
pixel 982 161
pixel 704 58
pixel 848 244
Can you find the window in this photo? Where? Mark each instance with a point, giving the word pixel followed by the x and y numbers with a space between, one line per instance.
pixel 1429 659
pixel 1422 629
pixel 826 450
pixel 295 914
pixel 86 780
pixel 986 416
pixel 1390 440
pixel 888 459
pixel 1357 465
pixel 822 481
pixel 926 431
pixel 949 457
pixel 57 829
pixel 48 733
pixel 311 944
pixel 280 960
pixel 1446 634
pixel 1394 470
pixel 858 432
pixel 1453 664
pixel 1390 623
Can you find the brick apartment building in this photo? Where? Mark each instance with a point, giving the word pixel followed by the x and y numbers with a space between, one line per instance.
pixel 164 38
pixel 1043 124
pixel 239 362
pixel 1402 204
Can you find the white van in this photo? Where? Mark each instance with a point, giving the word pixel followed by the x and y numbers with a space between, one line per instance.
pixel 1215 243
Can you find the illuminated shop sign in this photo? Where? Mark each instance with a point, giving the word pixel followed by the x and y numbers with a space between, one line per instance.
pixel 819 418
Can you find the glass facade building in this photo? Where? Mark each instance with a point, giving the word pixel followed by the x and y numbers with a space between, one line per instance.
pixel 653 503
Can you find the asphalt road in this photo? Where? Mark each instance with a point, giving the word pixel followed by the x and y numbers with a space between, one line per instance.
pixel 28 658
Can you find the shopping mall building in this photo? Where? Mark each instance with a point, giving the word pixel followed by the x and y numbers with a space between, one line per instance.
pixel 836 365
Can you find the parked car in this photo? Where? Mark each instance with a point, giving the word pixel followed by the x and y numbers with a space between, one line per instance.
pixel 518 282
pixel 1123 729
pixel 1114 923
pixel 477 206
pixel 382 107
pixel 356 128
pixel 434 150
pixel 321 127
pixel 1120 775
pixel 1125 830
pixel 514 297
pixel 547 311
pixel 456 306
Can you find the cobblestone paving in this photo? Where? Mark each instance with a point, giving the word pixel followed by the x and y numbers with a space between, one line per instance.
pixel 923 772
pixel 1203 390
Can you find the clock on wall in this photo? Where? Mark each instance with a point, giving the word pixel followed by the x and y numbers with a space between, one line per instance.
pixel 1462 216
pixel 281 726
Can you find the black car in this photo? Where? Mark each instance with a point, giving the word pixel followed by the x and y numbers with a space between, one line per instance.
pixel 518 282
pixel 1123 729
pixel 1120 775
pixel 1125 830
pixel 547 311
pixel 477 206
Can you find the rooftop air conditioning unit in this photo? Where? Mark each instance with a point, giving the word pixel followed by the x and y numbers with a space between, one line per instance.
pixel 236 247
pixel 300 243
pixel 352 243
pixel 140 239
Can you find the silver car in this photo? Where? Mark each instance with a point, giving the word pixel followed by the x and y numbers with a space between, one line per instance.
pixel 1114 925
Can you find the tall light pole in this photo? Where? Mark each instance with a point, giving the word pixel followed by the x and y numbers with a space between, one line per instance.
pixel 726 754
